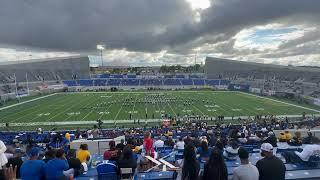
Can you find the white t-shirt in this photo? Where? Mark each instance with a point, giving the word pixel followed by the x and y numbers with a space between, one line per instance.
pixel 308 151
pixel 246 172
pixel 158 144
pixel 180 145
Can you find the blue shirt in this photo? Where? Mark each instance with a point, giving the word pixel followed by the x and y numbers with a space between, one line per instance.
pixel 55 168
pixel 32 170
pixel 204 154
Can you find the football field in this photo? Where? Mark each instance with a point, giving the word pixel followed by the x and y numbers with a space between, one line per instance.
pixel 87 107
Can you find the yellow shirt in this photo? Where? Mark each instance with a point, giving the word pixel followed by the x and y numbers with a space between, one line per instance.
pixel 288 136
pixel 83 155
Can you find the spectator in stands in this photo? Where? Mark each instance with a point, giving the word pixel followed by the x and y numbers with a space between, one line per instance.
pixel 169 142
pixel 17 146
pixel 271 139
pixel 242 139
pixel 307 152
pixel 33 169
pixel 190 167
pixel 245 171
pixel 308 139
pixel 282 137
pixel 57 167
pixel 296 140
pixel 58 141
pixel 148 145
pixel 3 158
pixel 179 144
pixel 16 161
pixel 215 168
pixel 120 145
pixel 95 131
pixel 159 143
pixel 127 160
pixel 231 151
pixel 204 151
pixel 50 154
pixel 288 135
pixel 270 167
pixel 113 153
pixel 74 163
pixel 83 154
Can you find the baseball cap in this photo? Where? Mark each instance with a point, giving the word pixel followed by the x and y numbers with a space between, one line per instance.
pixel 267 147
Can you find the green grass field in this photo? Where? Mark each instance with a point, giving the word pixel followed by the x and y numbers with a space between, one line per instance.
pixel 86 108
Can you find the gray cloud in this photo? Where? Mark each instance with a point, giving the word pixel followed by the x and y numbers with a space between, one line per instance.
pixel 139 25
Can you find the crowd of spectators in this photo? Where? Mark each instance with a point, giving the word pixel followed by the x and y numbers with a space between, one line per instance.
pixel 211 145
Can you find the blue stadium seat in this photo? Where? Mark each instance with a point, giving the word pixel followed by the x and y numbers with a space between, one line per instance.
pixel 70 83
pixel 199 82
pixel 187 82
pixel 107 170
pixel 85 82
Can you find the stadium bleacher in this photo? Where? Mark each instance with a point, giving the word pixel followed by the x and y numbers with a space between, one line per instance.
pixel 132 80
pixel 168 153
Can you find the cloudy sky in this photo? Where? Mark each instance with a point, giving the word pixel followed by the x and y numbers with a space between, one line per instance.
pixel 155 32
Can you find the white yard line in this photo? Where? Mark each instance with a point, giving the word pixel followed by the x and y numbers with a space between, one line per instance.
pixel 13 105
pixel 33 112
pixel 102 113
pixel 119 110
pixel 310 109
pixel 75 99
pixel 134 105
pixel 90 111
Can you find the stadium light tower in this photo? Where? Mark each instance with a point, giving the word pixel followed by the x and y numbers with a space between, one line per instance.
pixel 101 47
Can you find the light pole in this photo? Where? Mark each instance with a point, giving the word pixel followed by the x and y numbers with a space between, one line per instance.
pixel 101 47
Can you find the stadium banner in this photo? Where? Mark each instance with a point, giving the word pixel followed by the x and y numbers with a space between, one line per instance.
pixel 221 87
pixel 239 87
pixel 51 87
pixel 255 90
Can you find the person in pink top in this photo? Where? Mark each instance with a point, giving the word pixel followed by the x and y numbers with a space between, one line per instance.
pixel 148 144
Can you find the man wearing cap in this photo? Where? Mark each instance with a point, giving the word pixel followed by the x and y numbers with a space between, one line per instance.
pixel 33 169
pixel 246 171
pixel 270 167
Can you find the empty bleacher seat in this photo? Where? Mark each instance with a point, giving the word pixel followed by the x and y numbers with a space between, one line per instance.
pixel 85 82
pixel 198 82
pixel 70 83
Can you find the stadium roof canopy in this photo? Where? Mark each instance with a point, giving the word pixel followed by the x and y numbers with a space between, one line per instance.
pixel 262 65
pixel 39 60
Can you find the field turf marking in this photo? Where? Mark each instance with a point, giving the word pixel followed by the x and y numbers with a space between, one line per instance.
pixel 86 105
pixel 310 109
pixel 66 110
pixel 114 120
pixel 13 105
pixel 26 109
pixel 31 112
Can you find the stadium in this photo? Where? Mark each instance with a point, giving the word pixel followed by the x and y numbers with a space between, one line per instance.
pixel 48 89
pixel 66 94
pixel 160 90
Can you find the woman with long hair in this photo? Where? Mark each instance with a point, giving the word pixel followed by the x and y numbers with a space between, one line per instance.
pixel 191 167
pixel 204 151
pixel 215 168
